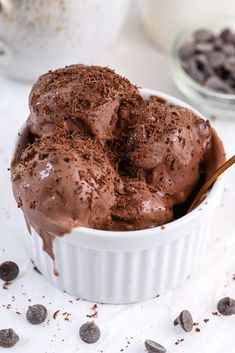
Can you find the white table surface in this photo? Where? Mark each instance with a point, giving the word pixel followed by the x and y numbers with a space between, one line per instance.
pixel 135 57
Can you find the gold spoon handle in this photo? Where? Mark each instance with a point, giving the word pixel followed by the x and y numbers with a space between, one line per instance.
pixel 210 182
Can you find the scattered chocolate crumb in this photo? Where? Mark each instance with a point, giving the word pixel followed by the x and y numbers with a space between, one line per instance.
pixel 6 285
pixel 206 320
pixel 66 316
pixel 197 329
pixel 179 341
pixel 95 313
pixel 55 314
pixel 195 323
pixel 215 313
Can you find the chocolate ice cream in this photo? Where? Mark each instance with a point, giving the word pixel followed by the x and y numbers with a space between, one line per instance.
pixel 79 96
pixel 63 181
pixel 167 144
pixel 101 156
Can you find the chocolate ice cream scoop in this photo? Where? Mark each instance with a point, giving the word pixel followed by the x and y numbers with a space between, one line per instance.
pixel 78 97
pixel 167 144
pixel 62 181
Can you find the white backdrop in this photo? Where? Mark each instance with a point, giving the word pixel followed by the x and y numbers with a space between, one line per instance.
pixel 136 58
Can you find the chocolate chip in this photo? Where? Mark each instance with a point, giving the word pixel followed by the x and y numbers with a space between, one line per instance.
pixel 218 43
pixel 217 84
pixel 204 65
pixel 89 332
pixel 154 347
pixel 227 36
pixel 204 47
pixel 226 306
pixel 8 338
pixel 203 35
pixel 224 34
pixel 8 271
pixel 186 51
pixel 230 65
pixel 216 59
pixel 185 320
pixel 36 314
pixel 231 83
pixel 229 49
pixel 190 67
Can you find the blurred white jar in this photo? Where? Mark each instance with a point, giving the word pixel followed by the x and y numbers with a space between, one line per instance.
pixel 163 20
pixel 39 35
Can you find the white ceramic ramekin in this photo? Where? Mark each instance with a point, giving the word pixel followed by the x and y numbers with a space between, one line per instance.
pixel 126 267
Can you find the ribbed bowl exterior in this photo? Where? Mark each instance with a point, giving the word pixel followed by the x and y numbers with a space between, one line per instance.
pixel 121 276
pixel 125 267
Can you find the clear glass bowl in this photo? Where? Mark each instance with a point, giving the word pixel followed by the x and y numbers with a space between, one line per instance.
pixel 210 102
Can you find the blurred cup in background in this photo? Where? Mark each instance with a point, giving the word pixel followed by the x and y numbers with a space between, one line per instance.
pixel 39 35
pixel 163 20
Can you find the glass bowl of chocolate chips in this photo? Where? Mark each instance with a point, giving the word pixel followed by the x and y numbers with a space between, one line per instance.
pixel 203 67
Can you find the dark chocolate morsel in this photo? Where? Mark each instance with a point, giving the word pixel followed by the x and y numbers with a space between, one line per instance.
pixel 190 67
pixel 227 36
pixel 230 65
pixel 89 332
pixel 8 338
pixel 204 65
pixel 229 49
pixel 36 314
pixel 203 35
pixel 204 47
pixel 226 306
pixel 218 43
pixel 217 84
pixel 154 347
pixel 186 51
pixel 216 59
pixel 185 320
pixel 9 270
